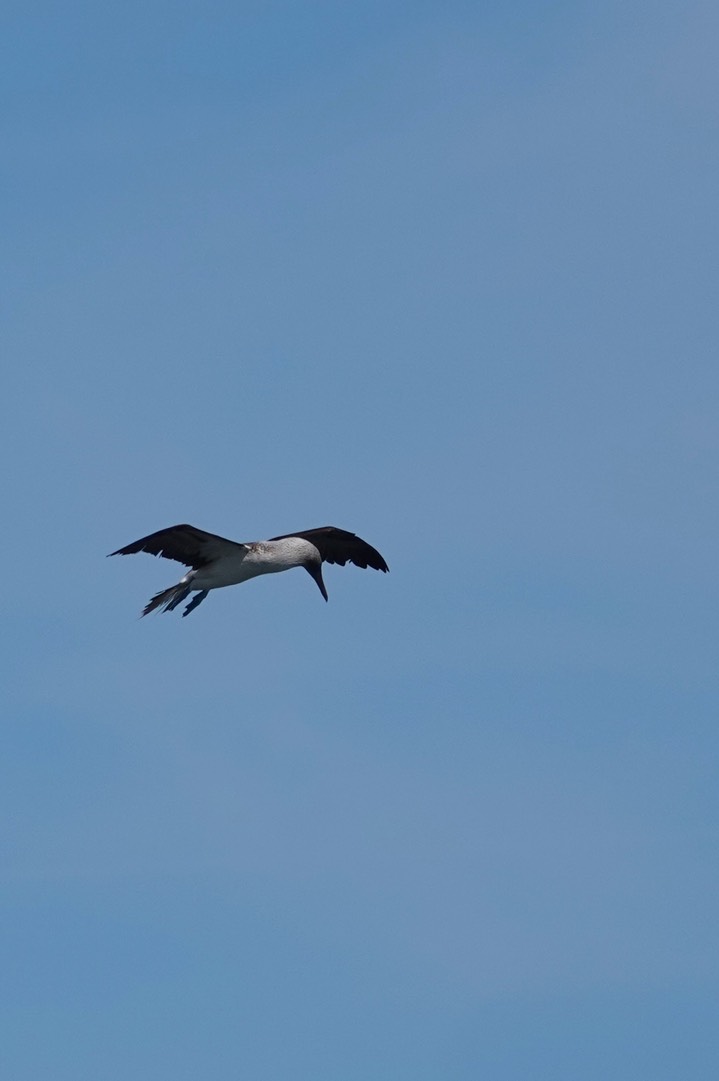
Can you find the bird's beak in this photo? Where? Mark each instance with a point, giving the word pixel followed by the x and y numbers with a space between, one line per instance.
pixel 315 570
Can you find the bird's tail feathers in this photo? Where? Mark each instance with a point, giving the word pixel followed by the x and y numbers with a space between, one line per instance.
pixel 167 599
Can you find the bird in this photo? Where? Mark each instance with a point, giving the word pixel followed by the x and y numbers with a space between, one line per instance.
pixel 215 562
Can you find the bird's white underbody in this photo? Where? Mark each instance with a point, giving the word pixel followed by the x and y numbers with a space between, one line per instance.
pixel 266 557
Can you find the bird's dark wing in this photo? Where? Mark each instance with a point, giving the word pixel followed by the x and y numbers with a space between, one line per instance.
pixel 338 546
pixel 185 544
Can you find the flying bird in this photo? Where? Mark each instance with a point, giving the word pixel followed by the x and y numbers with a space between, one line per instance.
pixel 215 562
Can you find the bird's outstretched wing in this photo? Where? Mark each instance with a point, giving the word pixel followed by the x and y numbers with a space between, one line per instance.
pixel 338 546
pixel 185 544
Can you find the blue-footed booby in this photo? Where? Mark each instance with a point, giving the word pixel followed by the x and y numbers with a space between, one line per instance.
pixel 216 562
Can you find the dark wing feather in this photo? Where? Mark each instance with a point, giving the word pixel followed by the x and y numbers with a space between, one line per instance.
pixel 183 543
pixel 338 546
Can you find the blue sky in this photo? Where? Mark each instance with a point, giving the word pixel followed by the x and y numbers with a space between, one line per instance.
pixel 444 275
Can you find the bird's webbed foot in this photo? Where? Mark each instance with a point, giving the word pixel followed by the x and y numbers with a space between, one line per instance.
pixel 197 599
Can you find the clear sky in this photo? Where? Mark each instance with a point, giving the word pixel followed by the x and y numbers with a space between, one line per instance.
pixel 443 274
